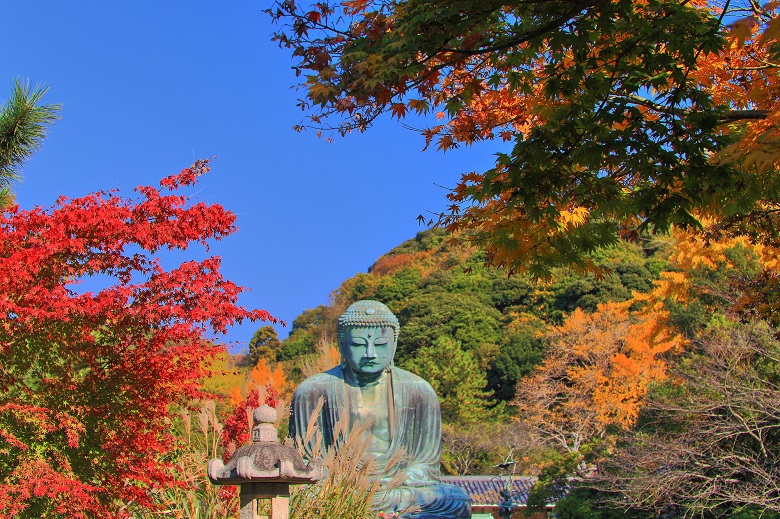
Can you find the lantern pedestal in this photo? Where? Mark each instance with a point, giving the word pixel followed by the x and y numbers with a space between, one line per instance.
pixel 278 493
pixel 265 469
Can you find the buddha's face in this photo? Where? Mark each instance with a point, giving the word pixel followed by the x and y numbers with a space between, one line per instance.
pixel 368 350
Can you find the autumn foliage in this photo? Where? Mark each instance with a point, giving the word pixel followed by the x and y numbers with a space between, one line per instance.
pixel 264 385
pixel 610 118
pixel 87 375
pixel 596 374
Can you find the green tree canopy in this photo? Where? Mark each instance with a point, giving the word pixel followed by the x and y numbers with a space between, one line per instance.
pixel 457 379
pixel 463 317
pixel 306 330
pixel 522 349
pixel 265 344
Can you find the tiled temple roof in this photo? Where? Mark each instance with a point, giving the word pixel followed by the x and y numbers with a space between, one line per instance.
pixel 483 490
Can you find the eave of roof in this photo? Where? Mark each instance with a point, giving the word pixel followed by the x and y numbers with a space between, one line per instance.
pixel 483 490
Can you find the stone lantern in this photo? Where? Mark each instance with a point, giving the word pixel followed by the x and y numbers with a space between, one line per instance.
pixel 265 469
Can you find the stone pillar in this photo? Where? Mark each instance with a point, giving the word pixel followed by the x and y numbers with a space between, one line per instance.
pixel 278 493
pixel 248 503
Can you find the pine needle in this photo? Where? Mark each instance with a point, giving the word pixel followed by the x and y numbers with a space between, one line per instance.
pixel 23 125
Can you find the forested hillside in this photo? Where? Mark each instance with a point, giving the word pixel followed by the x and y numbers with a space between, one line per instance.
pixel 442 290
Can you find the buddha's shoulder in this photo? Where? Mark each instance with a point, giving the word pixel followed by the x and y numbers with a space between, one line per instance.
pixel 320 381
pixel 407 377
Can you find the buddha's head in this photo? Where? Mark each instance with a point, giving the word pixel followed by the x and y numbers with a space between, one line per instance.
pixel 368 336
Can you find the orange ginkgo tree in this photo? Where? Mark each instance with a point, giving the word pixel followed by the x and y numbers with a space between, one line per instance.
pixel 616 117
pixel 595 375
pixel 590 387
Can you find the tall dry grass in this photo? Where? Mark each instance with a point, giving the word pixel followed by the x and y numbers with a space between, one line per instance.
pixel 351 485
pixel 327 357
pixel 194 497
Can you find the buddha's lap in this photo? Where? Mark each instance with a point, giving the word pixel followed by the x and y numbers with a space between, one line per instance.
pixel 438 500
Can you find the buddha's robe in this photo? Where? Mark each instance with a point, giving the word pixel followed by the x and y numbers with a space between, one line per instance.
pixel 407 418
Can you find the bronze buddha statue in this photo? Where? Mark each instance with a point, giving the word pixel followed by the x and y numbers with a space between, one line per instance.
pixel 400 408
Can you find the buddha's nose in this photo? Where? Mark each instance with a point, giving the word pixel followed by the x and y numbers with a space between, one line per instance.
pixel 370 350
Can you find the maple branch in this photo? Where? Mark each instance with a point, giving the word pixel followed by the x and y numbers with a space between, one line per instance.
pixel 436 68
pixel 727 117
pixel 643 101
pixel 762 67
pixel 528 36
pixel 743 115
pixel 758 10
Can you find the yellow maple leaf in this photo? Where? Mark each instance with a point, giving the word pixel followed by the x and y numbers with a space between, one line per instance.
pixel 771 32
pixel 742 29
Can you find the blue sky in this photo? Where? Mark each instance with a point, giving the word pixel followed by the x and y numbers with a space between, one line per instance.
pixel 147 87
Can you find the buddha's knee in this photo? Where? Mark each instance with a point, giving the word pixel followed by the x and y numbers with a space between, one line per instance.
pixel 441 501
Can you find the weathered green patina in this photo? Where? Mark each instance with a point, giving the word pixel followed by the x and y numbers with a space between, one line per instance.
pixel 401 408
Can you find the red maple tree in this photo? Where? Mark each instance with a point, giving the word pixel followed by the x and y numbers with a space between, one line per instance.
pixel 87 377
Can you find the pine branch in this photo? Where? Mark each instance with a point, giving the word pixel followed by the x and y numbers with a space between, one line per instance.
pixel 23 125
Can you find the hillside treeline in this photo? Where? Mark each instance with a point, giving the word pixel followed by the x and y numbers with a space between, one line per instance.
pixel 442 290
